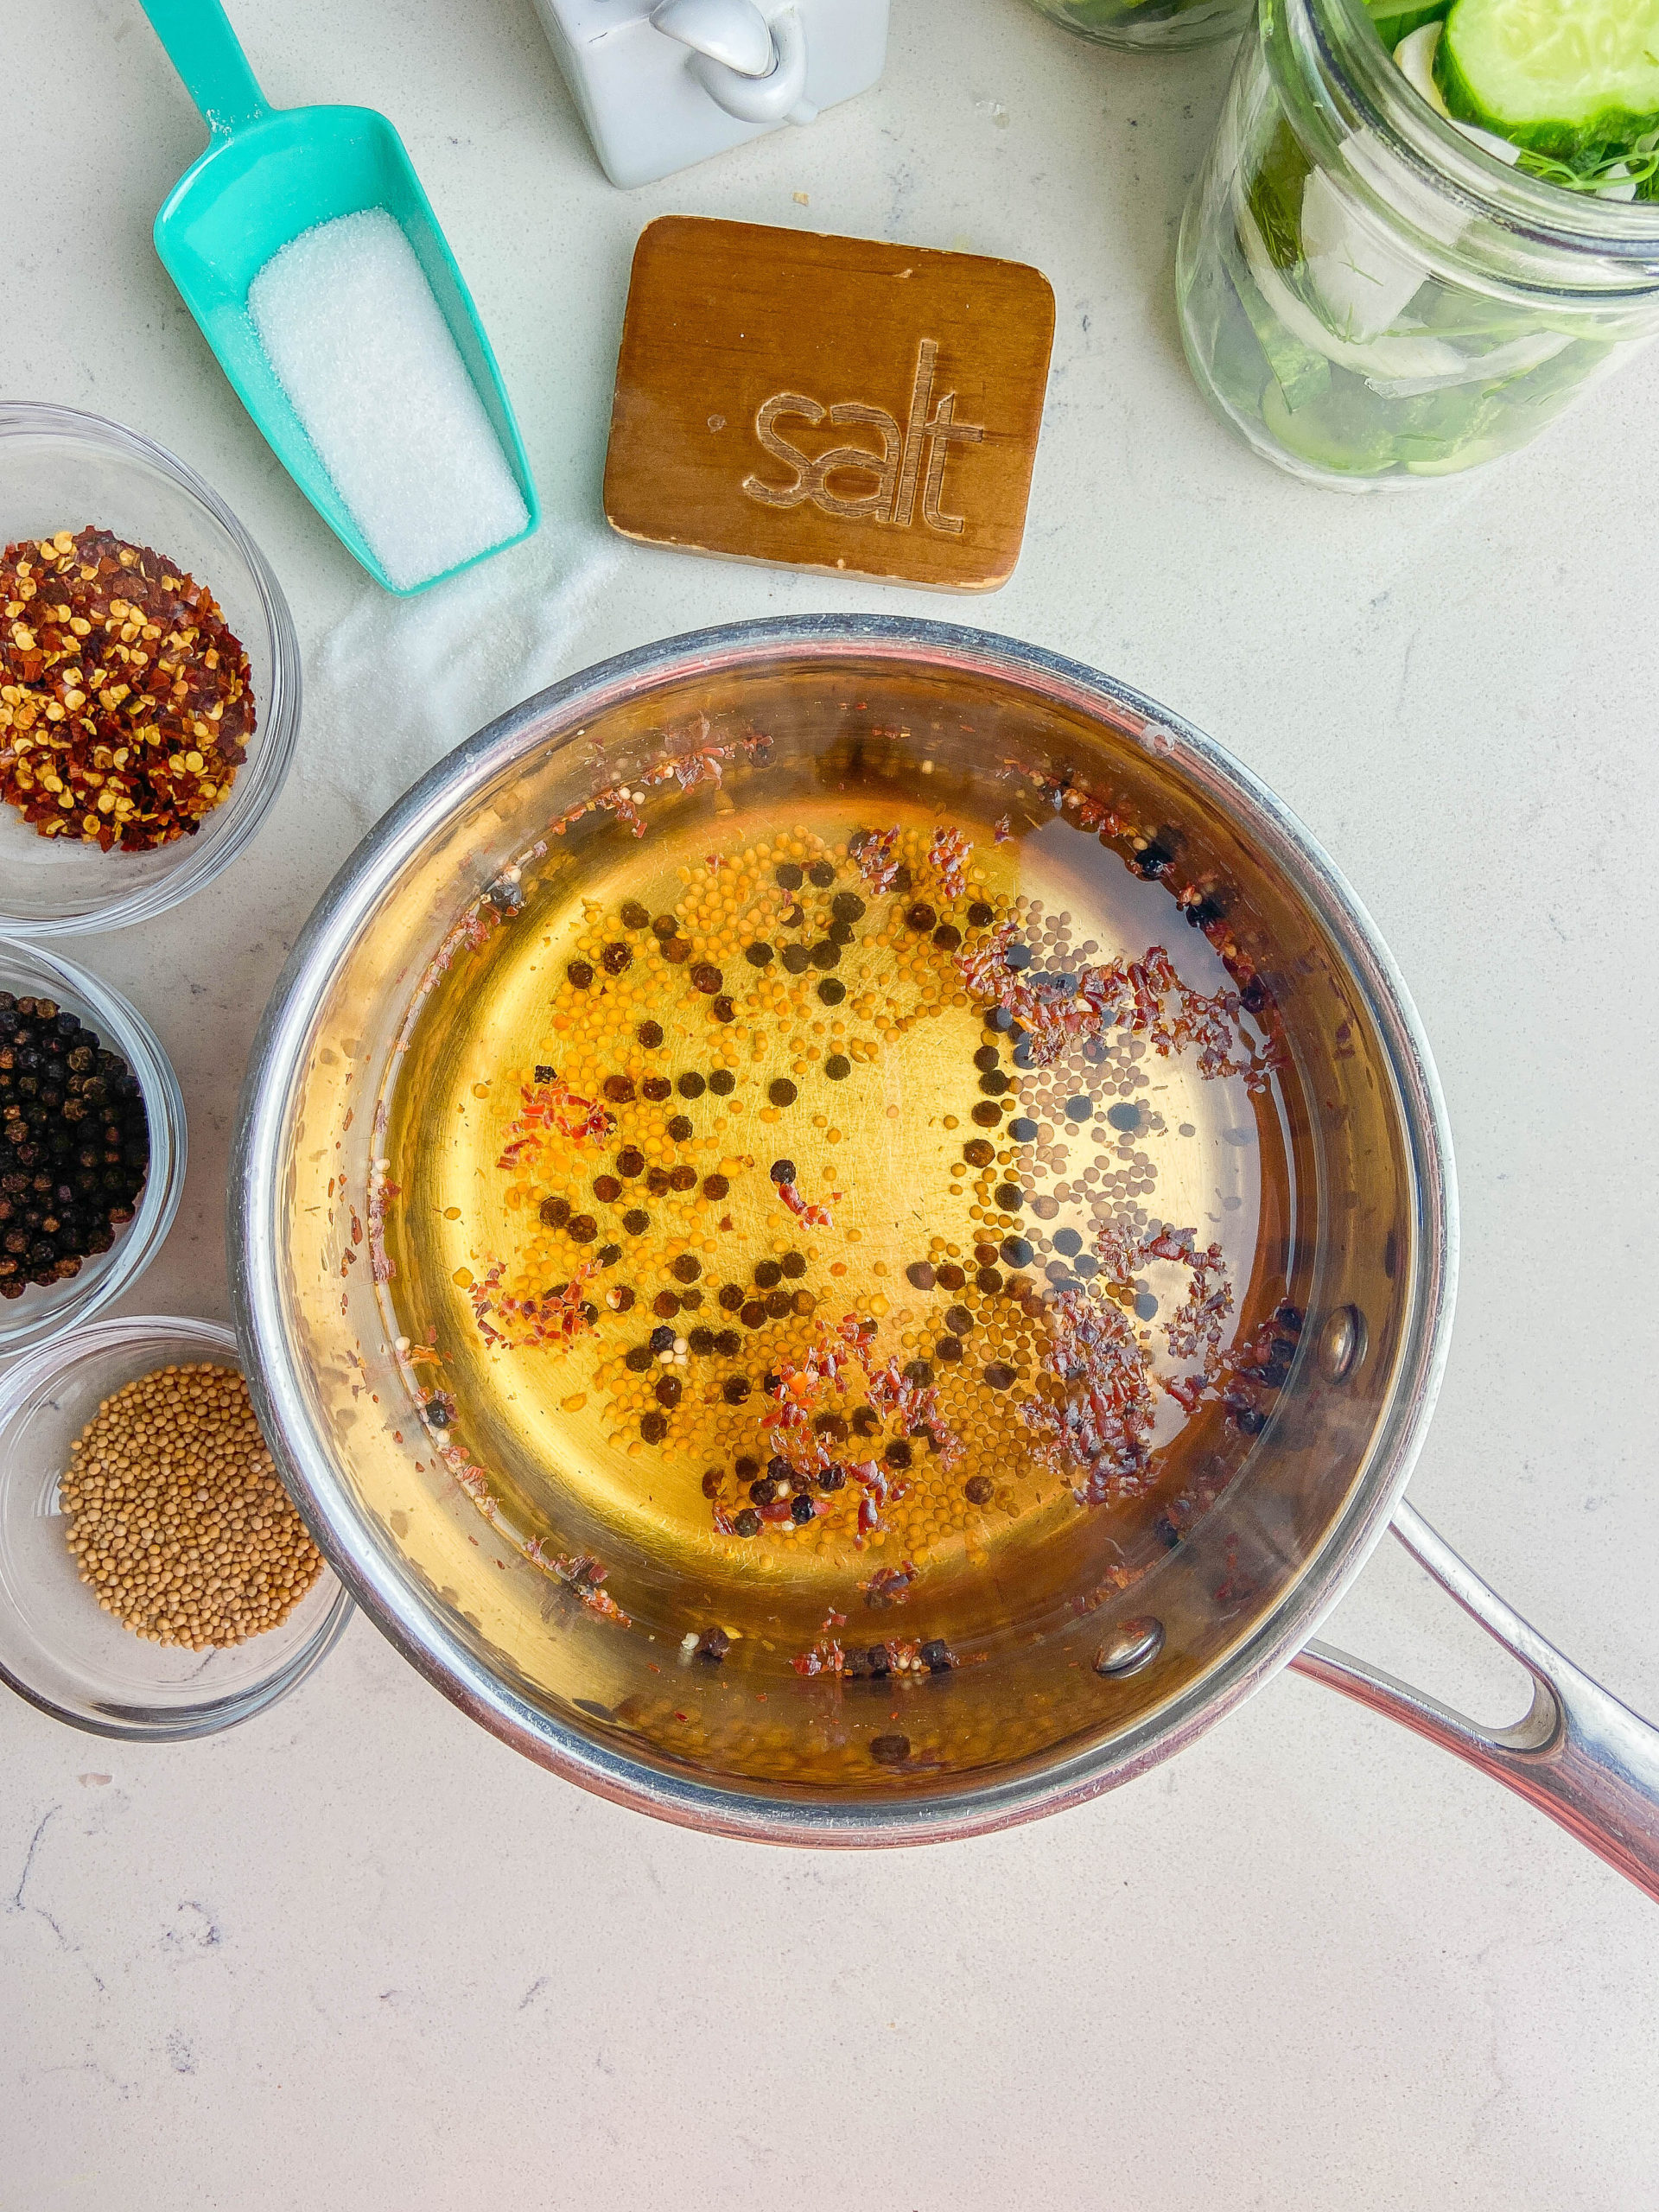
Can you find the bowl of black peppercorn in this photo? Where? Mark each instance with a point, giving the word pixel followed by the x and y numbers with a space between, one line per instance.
pixel 92 1146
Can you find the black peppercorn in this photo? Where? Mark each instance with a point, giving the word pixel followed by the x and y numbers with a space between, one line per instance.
pixel 49 1088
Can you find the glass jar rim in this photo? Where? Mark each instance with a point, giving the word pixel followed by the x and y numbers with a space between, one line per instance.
pixel 1359 85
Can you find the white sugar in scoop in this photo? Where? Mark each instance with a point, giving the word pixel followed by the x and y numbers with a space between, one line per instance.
pixel 349 324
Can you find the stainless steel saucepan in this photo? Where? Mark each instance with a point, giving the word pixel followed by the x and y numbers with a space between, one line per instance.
pixel 1082 1685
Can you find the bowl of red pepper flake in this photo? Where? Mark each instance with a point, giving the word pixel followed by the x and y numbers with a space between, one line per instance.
pixel 150 680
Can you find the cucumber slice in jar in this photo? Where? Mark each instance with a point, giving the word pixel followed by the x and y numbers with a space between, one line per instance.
pixel 1397 19
pixel 1560 77
pixel 1414 59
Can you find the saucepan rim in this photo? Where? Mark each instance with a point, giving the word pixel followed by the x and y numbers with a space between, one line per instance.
pixel 401 1611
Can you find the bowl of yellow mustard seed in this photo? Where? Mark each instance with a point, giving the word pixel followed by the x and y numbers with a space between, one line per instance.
pixel 156 1581
pixel 149 677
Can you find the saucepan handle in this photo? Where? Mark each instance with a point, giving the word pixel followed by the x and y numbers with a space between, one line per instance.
pixel 1578 1755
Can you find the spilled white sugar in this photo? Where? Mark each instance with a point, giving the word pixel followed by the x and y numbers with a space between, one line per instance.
pixel 349 324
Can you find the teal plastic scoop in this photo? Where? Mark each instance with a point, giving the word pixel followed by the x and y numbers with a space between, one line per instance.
pixel 268 174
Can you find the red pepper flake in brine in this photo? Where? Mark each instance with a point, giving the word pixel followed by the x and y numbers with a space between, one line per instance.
pixel 872 854
pixel 553 1109
pixel 948 857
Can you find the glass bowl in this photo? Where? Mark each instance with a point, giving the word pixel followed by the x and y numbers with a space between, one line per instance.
pixel 39 1315
pixel 57 1648
pixel 62 470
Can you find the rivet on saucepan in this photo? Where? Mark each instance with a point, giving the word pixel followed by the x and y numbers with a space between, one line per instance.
pixel 1131 1645
pixel 1341 1342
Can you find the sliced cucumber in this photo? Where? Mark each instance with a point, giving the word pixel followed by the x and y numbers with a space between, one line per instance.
pixel 1563 77
pixel 1397 19
pixel 1414 59
pixel 1274 194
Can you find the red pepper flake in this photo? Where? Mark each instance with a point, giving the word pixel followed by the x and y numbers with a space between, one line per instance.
pixel 948 857
pixel 889 1586
pixel 125 702
pixel 551 1108
pixel 582 1576
pixel 813 1216
pixel 1146 996
pixel 1104 1428
pixel 872 855
pixel 699 763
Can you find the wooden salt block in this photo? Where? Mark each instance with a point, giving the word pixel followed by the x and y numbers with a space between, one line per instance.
pixel 828 404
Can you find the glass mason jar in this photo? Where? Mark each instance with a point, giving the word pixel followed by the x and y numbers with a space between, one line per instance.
pixel 1366 297
pixel 1146 24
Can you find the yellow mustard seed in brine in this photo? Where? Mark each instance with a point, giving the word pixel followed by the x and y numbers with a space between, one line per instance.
pixel 733 1113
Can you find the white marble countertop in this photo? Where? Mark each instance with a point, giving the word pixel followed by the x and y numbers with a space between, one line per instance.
pixel 357 1953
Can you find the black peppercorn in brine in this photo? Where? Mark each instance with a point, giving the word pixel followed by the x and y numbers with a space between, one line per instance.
pixel 74 1144
pixel 801 1192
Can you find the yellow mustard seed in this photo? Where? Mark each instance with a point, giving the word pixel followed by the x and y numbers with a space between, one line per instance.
pixel 177 1518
